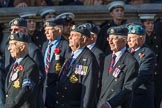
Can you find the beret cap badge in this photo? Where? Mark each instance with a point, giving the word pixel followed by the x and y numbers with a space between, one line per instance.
pixel 12 37
pixel 15 22
pixel 112 31
pixel 47 24
pixel 133 31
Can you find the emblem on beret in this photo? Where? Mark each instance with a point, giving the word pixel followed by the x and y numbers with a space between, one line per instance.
pixel 73 79
pixel 12 37
pixel 47 24
pixel 15 22
pixel 67 17
pixel 133 31
pixel 112 31
pixel 73 27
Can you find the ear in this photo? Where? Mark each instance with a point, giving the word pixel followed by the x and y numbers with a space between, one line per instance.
pixel 22 47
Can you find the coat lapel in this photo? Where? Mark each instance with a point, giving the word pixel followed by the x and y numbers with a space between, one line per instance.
pixel 110 78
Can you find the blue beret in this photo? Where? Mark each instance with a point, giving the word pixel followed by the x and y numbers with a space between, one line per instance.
pixel 136 29
pixel 18 22
pixel 118 30
pixel 19 37
pixel 82 29
pixel 92 27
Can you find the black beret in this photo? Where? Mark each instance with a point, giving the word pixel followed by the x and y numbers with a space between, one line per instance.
pixel 18 22
pixel 19 37
pixel 53 22
pixel 118 30
pixel 82 29
pixel 92 27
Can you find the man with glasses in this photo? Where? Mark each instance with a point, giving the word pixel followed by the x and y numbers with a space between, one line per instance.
pixel 120 72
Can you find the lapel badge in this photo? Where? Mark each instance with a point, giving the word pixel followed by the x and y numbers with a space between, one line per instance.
pixel 15 22
pixel 11 36
pixel 84 60
pixel 73 79
pixel 112 31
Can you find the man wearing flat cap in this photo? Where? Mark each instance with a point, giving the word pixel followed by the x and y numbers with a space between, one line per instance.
pixel 116 11
pixel 54 52
pixel 154 42
pixel 21 85
pixel 68 22
pixel 36 35
pixel 20 25
pixel 143 87
pixel 77 82
pixel 119 73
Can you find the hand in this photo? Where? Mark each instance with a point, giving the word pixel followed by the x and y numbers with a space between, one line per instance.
pixel 104 106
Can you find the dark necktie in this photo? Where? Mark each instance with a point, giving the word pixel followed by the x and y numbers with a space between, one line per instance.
pixel 48 58
pixel 112 63
pixel 66 67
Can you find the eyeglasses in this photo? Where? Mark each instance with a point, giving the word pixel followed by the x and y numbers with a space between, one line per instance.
pixel 15 29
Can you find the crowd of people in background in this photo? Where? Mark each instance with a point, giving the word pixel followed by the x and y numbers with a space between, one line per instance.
pixel 62 64
pixel 25 3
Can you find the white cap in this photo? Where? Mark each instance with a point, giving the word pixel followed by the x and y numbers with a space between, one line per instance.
pixel 115 4
pixel 66 15
pixel 147 16
pixel 46 11
pixel 27 15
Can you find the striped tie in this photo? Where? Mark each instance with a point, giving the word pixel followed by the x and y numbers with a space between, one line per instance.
pixel 112 63
pixel 66 67
pixel 48 58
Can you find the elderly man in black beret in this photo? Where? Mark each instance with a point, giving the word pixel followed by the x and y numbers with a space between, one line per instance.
pixel 77 82
pixel 21 85
pixel 20 25
pixel 120 72
pixel 143 95
pixel 54 51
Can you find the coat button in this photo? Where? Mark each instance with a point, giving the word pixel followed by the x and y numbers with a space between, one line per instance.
pixel 62 96
pixel 112 90
pixel 6 95
pixel 65 88
pixel 57 93
pixel 57 102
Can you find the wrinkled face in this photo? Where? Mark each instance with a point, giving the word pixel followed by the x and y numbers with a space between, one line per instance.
pixel 31 24
pixel 117 13
pixel 17 29
pixel 116 42
pixel 51 33
pixel 75 40
pixel 14 48
pixel 135 41
pixel 149 25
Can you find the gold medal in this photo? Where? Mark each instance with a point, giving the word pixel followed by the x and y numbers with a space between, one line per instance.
pixel 16 84
pixel 73 79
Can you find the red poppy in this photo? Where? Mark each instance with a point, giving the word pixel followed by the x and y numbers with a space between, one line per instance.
pixel 141 55
pixel 21 67
pixel 57 50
